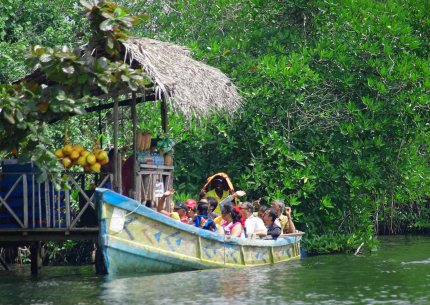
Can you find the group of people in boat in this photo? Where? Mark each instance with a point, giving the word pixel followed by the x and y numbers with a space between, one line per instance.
pixel 218 210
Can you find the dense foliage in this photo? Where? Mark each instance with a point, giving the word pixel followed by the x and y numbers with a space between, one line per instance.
pixel 64 81
pixel 336 117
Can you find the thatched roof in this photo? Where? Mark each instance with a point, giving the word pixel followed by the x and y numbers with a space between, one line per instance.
pixel 189 86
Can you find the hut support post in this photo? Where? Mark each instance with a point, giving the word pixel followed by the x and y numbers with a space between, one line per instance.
pixel 3 263
pixel 36 257
pixel 117 161
pixel 133 193
pixel 163 110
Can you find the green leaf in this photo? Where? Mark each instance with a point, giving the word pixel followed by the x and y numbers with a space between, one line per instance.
pixel 82 78
pixel 18 115
pixel 89 4
pixel 8 117
pixel 326 202
pixel 61 96
pixel 68 70
pixel 79 110
pixel 106 25
pixel 45 58
pixel 42 177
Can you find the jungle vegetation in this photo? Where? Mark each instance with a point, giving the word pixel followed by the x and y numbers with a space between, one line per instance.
pixel 336 103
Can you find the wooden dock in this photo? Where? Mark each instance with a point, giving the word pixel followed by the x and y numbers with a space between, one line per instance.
pixel 33 212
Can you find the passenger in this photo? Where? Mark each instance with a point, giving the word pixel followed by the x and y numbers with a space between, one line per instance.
pixel 150 204
pixel 212 206
pixel 192 213
pixel 286 222
pixel 219 191
pixel 191 209
pixel 261 210
pixel 273 230
pixel 232 197
pixel 227 200
pixel 232 221
pixel 180 208
pixel 175 216
pixel 202 219
pixel 254 226
pixel 190 203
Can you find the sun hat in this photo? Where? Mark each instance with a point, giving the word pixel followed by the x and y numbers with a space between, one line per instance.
pixel 180 205
pixel 191 203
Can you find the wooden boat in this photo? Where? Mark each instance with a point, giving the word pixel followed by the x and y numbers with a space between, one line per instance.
pixel 134 238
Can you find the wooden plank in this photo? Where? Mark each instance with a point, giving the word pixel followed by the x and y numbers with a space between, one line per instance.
pixel 116 185
pixel 19 231
pixel 88 201
pixel 119 171
pixel 47 205
pixel 139 187
pixel 59 208
pixel 25 197
pixel 149 98
pixel 3 202
pixel 104 180
pixel 67 209
pixel 152 166
pixel 20 239
pixel 33 200
pixel 40 204
pixel 13 187
pixel 54 216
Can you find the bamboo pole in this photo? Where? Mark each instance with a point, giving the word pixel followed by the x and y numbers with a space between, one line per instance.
pixel 133 193
pixel 116 185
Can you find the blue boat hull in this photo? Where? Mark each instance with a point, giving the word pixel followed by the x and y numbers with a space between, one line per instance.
pixel 134 238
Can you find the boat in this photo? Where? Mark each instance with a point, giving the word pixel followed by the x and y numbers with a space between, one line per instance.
pixel 135 238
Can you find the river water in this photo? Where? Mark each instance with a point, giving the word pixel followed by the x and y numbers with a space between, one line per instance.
pixel 398 273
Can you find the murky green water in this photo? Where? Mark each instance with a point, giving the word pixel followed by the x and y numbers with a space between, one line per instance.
pixel 398 273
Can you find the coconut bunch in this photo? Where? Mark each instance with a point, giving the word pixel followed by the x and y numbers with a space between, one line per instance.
pixel 91 161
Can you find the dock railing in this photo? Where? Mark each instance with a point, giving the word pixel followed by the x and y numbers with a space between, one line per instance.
pixel 26 204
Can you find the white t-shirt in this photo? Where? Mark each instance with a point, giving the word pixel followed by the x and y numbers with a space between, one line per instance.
pixel 254 223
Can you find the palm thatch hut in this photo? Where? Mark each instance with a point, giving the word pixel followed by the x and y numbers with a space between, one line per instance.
pixel 177 81
pixel 181 83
